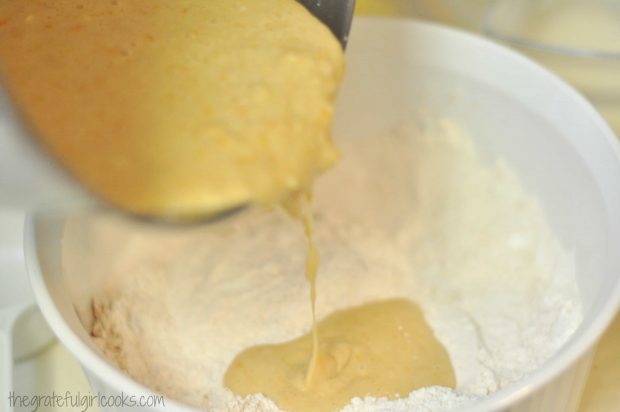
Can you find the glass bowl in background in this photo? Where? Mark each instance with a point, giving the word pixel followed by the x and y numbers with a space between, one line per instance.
pixel 577 39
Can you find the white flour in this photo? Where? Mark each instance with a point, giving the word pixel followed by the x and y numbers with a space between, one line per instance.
pixel 414 214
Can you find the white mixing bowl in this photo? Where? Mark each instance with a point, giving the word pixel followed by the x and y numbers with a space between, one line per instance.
pixel 562 150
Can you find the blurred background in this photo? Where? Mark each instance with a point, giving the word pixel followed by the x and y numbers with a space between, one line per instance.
pixel 577 39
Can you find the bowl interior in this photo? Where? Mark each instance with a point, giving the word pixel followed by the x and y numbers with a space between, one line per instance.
pixel 398 73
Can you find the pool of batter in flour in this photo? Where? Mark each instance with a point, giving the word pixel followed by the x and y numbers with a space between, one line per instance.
pixel 439 283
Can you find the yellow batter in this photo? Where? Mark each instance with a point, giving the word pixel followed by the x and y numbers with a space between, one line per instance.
pixel 299 207
pixel 378 349
pixel 188 107
pixel 381 349
pixel 179 108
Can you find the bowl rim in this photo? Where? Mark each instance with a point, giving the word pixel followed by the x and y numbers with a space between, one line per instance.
pixel 511 395
pixel 93 362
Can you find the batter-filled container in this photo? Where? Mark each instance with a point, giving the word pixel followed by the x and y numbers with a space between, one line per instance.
pixel 562 151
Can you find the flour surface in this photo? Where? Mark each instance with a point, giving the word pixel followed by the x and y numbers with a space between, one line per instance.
pixel 414 214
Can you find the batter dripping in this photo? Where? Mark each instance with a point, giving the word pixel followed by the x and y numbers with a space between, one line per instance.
pixel 188 107
pixel 381 349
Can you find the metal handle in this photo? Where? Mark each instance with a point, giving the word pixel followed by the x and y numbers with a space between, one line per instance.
pixel 336 14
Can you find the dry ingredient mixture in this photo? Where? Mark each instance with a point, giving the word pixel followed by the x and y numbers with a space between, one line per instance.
pixel 415 215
